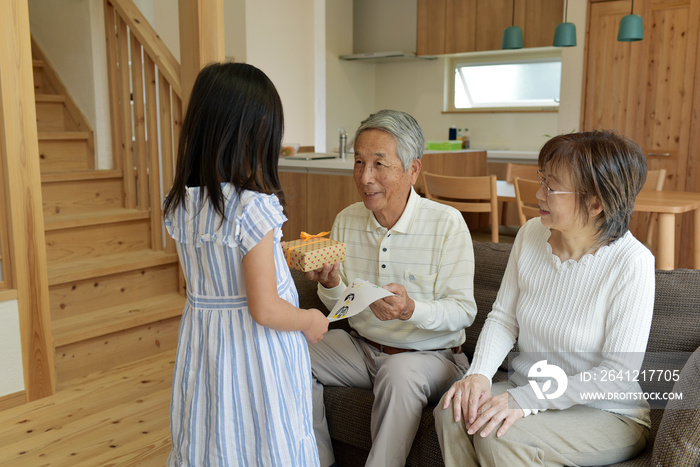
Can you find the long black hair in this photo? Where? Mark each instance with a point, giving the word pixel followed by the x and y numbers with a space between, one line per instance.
pixel 232 133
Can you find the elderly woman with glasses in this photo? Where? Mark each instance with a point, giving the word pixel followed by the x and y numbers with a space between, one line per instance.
pixel 577 296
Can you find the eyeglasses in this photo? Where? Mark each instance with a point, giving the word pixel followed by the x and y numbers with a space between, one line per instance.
pixel 547 190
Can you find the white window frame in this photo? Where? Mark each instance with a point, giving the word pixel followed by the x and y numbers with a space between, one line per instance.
pixel 495 57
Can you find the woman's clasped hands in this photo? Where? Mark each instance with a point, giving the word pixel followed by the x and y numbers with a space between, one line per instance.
pixel 471 398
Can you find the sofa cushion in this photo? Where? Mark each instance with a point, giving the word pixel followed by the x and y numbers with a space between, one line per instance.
pixel 678 440
pixel 676 323
pixel 490 263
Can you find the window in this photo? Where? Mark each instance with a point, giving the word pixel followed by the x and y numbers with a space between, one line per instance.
pixel 505 81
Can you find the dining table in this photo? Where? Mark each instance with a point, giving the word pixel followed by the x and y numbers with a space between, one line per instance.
pixel 667 204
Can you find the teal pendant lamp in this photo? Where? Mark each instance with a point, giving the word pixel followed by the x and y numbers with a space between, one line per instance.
pixel 512 38
pixel 631 27
pixel 512 35
pixel 565 33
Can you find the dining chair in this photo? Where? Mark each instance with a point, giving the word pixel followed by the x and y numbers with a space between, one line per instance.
pixel 524 171
pixel 526 199
pixel 466 194
pixel 655 182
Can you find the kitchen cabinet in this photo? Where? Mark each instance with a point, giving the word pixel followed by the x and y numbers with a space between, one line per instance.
pixel 457 26
pixel 647 90
pixel 314 199
pixel 294 187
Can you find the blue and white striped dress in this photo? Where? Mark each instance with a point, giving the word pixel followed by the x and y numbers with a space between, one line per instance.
pixel 241 391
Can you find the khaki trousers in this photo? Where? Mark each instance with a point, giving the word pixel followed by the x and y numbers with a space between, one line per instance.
pixel 579 435
pixel 403 385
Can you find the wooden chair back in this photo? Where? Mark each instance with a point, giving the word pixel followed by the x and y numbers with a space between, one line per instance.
pixel 466 194
pixel 655 182
pixel 526 199
pixel 524 171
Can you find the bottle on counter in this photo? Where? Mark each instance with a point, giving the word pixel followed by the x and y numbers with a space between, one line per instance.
pixel 465 138
pixel 453 133
pixel 342 143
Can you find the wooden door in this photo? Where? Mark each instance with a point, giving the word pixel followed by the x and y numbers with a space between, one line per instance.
pixel 645 89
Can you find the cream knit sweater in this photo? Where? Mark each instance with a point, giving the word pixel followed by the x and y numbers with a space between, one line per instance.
pixel 589 317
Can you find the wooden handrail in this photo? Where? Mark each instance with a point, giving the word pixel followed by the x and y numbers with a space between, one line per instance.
pixel 146 106
pixel 151 42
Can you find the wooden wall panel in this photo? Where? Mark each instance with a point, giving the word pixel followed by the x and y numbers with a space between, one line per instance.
pixel 20 150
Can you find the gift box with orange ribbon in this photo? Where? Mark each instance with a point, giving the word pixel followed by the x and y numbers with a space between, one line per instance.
pixel 311 252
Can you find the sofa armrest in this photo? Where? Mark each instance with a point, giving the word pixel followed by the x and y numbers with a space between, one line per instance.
pixel 678 439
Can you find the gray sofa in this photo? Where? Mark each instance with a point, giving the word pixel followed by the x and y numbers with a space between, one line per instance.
pixel 675 435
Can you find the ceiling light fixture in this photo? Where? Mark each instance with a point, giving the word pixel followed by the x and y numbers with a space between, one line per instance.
pixel 565 33
pixel 512 35
pixel 631 27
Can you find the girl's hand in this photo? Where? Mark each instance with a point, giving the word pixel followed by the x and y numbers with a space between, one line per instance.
pixel 467 395
pixel 318 326
pixel 496 411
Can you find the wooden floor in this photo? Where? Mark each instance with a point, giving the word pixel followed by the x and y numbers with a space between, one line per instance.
pixel 118 418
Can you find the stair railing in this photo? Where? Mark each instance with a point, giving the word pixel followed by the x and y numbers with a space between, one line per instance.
pixel 146 111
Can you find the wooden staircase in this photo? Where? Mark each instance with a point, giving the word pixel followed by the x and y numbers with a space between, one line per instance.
pixel 114 297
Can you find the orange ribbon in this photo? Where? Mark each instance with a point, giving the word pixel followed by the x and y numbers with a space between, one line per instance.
pixel 305 237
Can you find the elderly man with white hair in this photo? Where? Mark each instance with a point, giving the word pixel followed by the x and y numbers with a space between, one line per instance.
pixel 407 347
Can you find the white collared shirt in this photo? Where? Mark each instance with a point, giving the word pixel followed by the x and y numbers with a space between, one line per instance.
pixel 429 251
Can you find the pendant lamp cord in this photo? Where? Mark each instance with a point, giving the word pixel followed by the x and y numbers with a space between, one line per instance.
pixel 566 11
pixel 513 20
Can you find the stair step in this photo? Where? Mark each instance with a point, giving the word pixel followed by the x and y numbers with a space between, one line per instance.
pixel 79 175
pixel 96 239
pixel 108 320
pixel 63 135
pixel 75 361
pixel 69 271
pixel 64 151
pixel 52 113
pixel 77 297
pixel 74 192
pixel 83 219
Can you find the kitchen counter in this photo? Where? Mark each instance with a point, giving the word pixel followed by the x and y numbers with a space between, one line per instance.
pixel 328 166
pixel 339 166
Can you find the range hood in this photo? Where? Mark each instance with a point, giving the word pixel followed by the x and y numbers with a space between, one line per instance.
pixel 384 31
pixel 381 57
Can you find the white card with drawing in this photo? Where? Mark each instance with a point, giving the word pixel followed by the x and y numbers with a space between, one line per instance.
pixel 357 297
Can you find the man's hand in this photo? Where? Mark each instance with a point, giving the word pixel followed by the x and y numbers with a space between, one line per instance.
pixel 328 275
pixel 398 306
